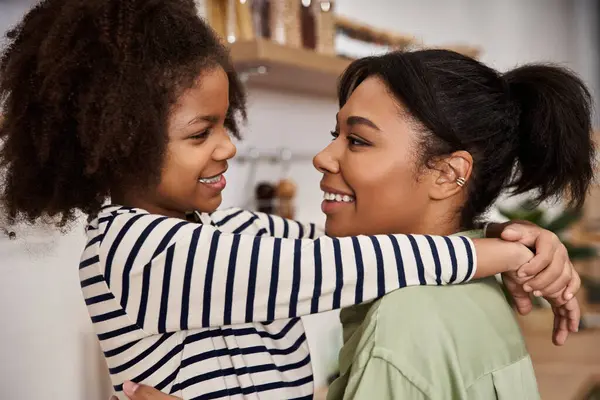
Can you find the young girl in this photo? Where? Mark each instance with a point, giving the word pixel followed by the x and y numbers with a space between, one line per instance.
pixel 133 100
pixel 425 142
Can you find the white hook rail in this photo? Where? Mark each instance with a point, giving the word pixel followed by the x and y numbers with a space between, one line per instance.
pixel 272 156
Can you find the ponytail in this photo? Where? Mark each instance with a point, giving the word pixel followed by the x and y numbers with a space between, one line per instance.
pixel 555 149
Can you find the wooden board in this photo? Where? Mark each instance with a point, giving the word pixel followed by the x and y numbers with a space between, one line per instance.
pixel 289 69
pixel 566 372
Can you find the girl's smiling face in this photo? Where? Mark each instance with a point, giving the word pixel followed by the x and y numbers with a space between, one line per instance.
pixel 197 151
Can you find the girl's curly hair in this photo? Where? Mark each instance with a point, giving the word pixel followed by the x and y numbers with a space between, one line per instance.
pixel 86 88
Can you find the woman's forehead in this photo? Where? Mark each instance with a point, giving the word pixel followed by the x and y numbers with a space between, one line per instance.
pixel 371 99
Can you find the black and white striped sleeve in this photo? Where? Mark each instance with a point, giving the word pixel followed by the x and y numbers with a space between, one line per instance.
pixel 172 275
pixel 287 228
pixel 237 220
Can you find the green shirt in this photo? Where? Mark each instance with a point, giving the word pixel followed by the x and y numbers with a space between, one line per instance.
pixel 451 342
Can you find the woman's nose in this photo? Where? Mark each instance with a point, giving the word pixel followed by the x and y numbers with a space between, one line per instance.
pixel 326 162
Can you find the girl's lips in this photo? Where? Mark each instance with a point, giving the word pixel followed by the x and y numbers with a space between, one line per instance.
pixel 218 186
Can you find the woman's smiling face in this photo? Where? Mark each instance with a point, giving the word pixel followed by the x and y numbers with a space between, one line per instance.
pixel 370 168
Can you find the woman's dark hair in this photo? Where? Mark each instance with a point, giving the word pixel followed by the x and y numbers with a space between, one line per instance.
pixel 527 129
pixel 86 88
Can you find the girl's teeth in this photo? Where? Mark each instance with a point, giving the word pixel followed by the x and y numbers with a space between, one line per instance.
pixel 346 198
pixel 338 197
pixel 210 180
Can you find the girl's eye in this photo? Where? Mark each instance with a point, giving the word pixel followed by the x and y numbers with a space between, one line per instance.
pixel 334 135
pixel 201 135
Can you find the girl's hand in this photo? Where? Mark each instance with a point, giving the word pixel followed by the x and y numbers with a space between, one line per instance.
pixel 550 272
pixel 135 391
pixel 496 256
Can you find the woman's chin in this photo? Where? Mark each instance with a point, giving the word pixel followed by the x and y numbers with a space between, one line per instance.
pixel 338 230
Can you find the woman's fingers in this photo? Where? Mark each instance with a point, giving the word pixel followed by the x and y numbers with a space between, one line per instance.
pixel 573 312
pixel 522 302
pixel 573 286
pixel 566 320
pixel 555 324
pixel 136 391
pixel 561 331
pixel 521 298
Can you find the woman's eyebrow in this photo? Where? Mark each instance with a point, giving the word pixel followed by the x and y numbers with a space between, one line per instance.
pixel 356 120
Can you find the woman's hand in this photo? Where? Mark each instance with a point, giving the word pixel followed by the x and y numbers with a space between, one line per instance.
pixel 550 274
pixel 135 391
pixel 566 316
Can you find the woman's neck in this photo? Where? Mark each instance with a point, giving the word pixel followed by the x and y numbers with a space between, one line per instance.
pixel 439 222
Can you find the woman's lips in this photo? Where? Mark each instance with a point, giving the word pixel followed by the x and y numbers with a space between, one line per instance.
pixel 333 202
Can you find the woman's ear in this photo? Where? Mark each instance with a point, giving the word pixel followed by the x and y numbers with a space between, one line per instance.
pixel 448 172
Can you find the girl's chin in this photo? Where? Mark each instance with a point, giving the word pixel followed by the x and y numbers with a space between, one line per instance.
pixel 208 205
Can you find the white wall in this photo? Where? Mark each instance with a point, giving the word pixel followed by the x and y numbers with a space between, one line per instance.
pixel 47 349
pixel 47 346
pixel 11 12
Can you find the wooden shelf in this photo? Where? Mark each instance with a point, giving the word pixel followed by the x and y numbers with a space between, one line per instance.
pixel 290 69
pixel 360 31
pixel 296 70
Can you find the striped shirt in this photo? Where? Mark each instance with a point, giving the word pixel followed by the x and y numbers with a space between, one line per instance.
pixel 178 305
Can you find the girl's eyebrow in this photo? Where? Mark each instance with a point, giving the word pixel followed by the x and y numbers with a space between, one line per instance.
pixel 213 119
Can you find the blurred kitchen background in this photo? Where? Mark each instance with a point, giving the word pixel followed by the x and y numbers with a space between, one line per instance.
pixel 290 53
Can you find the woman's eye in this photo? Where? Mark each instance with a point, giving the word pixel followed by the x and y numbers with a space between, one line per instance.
pixel 334 135
pixel 356 142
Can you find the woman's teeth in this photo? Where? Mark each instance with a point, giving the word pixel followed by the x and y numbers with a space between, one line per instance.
pixel 338 197
pixel 210 180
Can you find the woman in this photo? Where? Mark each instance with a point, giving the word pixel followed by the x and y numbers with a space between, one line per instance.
pixel 399 162
pixel 425 142
pixel 133 100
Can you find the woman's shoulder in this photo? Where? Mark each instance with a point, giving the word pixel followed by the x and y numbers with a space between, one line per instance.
pixel 471 323
pixel 444 338
pixel 449 307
